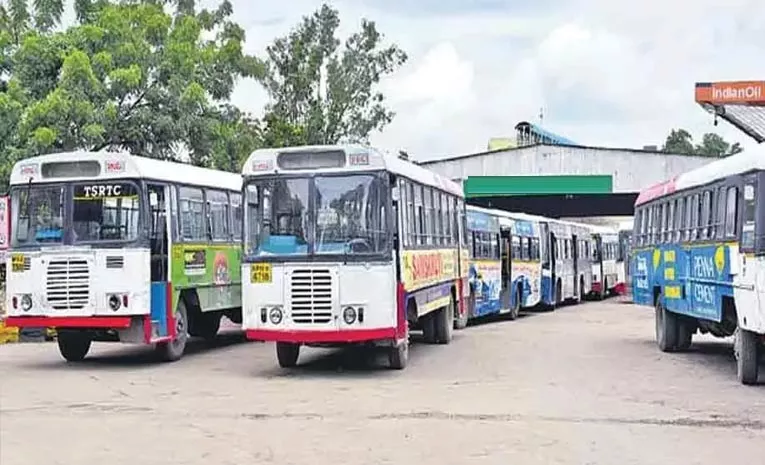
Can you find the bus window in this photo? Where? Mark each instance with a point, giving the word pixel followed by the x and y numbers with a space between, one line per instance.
pixel 750 209
pixel 525 249
pixel 731 212
pixel 236 214
pixel 516 248
pixel 192 214
pixel 217 214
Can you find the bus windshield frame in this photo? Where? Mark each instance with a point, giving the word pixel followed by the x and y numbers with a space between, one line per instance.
pixel 69 222
pixel 350 231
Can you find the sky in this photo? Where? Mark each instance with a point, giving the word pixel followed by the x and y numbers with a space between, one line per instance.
pixel 603 72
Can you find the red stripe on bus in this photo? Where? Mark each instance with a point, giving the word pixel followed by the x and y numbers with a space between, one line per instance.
pixel 68 321
pixel 307 337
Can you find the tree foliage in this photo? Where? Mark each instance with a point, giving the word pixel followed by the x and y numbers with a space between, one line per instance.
pixel 322 92
pixel 155 77
pixel 129 75
pixel 712 145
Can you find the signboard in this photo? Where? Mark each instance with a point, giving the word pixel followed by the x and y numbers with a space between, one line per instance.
pixel 105 191
pixel 5 223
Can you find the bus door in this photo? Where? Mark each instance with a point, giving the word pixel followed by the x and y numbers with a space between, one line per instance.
pixel 552 262
pixel 505 264
pixel 575 256
pixel 751 276
pixel 597 260
pixel 159 246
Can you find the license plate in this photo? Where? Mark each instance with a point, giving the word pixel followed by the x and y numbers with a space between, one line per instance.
pixel 260 273
pixel 17 263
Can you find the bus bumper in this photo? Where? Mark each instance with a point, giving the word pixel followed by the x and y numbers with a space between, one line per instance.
pixel 105 322
pixel 321 337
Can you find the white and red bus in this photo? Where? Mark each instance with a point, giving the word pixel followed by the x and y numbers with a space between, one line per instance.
pixel 111 247
pixel 350 245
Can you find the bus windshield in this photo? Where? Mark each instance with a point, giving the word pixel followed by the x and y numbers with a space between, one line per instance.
pixel 321 215
pixel 100 212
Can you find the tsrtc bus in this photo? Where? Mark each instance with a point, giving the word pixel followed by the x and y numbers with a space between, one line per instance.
pixel 699 259
pixel 605 262
pixel 114 247
pixel 350 245
pixel 505 262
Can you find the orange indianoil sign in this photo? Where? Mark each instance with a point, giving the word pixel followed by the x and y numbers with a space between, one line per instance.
pixel 731 92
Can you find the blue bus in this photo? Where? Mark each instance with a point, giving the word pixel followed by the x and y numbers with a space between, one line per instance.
pixel 488 293
pixel 698 257
pixel 520 261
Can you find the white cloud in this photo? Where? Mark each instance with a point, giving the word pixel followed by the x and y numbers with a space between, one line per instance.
pixel 605 73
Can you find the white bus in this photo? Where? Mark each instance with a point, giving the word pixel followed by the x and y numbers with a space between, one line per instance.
pixel 605 262
pixel 113 247
pixel 346 244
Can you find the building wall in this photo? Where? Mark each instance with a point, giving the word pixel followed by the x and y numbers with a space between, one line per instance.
pixel 632 170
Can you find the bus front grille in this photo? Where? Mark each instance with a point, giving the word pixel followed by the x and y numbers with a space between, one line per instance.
pixel 311 296
pixel 68 284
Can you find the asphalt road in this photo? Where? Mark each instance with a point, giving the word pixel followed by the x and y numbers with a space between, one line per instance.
pixel 582 385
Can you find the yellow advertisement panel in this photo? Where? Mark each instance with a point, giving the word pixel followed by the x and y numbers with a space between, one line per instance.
pixel 423 268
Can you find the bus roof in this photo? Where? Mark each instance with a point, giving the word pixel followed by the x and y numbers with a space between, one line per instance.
pixel 263 162
pixel 84 165
pixel 750 160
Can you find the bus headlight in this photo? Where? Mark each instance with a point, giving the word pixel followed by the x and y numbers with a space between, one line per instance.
pixel 349 315
pixel 114 302
pixel 276 315
pixel 26 302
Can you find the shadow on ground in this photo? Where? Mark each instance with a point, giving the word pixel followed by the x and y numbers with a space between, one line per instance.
pixel 135 356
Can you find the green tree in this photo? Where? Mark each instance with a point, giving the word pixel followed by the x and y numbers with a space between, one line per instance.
pixel 679 141
pixel 712 145
pixel 322 92
pixel 129 76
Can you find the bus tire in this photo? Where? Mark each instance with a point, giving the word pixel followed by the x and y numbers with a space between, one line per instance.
pixel 287 354
pixel 747 351
pixel 666 327
pixel 444 323
pixel 429 333
pixel 515 309
pixel 685 329
pixel 398 355
pixel 73 345
pixel 207 325
pixel 173 350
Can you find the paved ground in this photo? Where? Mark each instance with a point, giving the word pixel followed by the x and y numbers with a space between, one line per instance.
pixel 582 385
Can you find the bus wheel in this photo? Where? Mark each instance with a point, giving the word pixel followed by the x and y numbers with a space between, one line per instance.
pixel 73 345
pixel 287 354
pixel 685 329
pixel 429 333
pixel 207 325
pixel 746 347
pixel 444 323
pixel 398 355
pixel 515 309
pixel 173 350
pixel 666 327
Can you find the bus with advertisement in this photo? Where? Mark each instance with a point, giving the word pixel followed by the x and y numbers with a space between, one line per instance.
pixel 347 244
pixel 526 249
pixel 487 272
pixel 506 251
pixel 698 257
pixel 111 247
